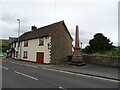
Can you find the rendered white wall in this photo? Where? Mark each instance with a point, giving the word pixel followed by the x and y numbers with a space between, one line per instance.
pixel 33 48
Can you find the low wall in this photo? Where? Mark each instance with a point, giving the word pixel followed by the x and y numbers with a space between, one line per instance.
pixel 102 60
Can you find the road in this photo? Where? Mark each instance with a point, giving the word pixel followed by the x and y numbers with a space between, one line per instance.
pixel 15 75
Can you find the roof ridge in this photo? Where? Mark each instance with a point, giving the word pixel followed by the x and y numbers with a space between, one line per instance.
pixel 40 32
pixel 51 24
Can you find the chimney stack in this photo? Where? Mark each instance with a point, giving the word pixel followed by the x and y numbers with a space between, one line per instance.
pixel 33 28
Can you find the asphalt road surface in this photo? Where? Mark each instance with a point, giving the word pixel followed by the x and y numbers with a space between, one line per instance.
pixel 15 75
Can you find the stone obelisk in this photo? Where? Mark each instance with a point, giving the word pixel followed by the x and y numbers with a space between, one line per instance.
pixel 77 57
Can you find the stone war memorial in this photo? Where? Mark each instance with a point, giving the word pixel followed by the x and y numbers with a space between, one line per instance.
pixel 77 56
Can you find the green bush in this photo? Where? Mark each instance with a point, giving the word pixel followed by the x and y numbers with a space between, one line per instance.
pixel 114 52
pixel 4 45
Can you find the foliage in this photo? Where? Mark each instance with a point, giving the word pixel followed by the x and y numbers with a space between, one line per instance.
pixel 114 52
pixel 99 44
pixel 4 44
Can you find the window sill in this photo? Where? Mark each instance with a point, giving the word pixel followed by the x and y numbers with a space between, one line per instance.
pixel 25 57
pixel 25 46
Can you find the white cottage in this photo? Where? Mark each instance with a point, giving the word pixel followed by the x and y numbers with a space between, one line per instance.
pixel 48 44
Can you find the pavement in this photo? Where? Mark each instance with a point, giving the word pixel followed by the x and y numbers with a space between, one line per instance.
pixel 88 69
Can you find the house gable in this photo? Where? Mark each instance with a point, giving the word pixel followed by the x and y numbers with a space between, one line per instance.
pixel 61 45
pixel 63 24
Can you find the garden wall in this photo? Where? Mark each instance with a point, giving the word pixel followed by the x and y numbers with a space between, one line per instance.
pixel 102 60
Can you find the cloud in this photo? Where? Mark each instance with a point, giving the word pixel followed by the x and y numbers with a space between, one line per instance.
pixel 118 43
pixel 11 17
pixel 84 37
pixel 23 28
pixel 91 15
pixel 12 30
pixel 9 24
pixel 84 42
pixel 71 1
pixel 7 18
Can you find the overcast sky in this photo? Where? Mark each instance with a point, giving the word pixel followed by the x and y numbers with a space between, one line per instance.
pixel 92 16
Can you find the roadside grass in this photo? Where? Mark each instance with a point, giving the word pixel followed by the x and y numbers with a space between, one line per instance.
pixel 2 53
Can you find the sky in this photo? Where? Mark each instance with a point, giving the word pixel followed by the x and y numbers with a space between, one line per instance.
pixel 92 16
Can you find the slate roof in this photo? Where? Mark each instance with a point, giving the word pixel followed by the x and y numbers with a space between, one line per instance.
pixel 11 39
pixel 41 32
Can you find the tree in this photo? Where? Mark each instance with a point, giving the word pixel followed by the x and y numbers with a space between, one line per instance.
pixel 3 45
pixel 99 43
pixel 86 49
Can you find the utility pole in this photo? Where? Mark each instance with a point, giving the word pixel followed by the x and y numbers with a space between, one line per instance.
pixel 18 37
pixel 81 45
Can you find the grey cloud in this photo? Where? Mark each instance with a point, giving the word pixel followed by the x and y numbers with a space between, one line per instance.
pixel 24 20
pixel 13 31
pixel 84 41
pixel 8 18
pixel 102 17
pixel 84 37
pixel 116 43
pixel 8 31
pixel 23 28
pixel 11 17
pixel 82 32
pixel 72 31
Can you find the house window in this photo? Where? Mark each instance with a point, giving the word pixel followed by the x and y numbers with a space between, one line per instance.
pixel 25 43
pixel 25 54
pixel 41 41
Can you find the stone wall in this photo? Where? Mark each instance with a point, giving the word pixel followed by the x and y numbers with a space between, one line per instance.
pixel 102 60
pixel 61 45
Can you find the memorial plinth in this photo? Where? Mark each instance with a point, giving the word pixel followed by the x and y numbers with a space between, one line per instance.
pixel 77 57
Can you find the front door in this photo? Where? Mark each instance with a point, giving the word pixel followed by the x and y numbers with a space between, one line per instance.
pixel 40 57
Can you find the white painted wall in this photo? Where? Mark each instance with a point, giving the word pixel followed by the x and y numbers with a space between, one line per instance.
pixel 33 48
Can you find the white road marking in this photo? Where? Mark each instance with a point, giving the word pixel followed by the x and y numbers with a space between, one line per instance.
pixel 62 88
pixel 18 63
pixel 83 75
pixel 13 62
pixel 30 65
pixel 26 75
pixel 4 67
pixel 25 64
